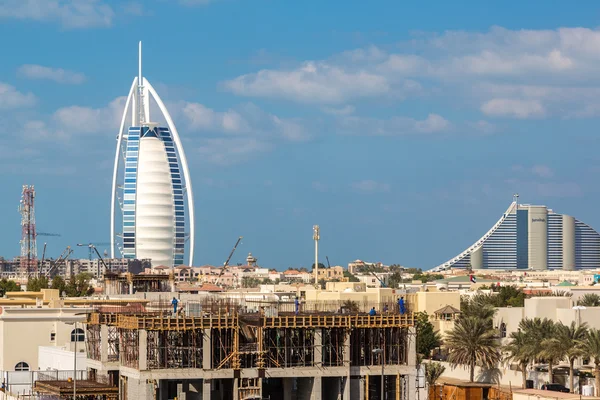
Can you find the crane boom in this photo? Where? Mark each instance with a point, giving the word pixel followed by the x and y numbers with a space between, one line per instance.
pixel 226 264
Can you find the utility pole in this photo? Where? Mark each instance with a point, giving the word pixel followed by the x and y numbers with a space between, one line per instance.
pixel 316 237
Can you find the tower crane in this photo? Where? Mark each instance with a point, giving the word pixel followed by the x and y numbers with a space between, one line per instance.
pixel 63 258
pixel 91 247
pixel 226 263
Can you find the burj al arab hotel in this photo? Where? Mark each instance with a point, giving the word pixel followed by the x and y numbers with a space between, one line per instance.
pixel 151 198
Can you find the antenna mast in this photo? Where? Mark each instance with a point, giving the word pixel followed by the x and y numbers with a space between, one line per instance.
pixel 28 261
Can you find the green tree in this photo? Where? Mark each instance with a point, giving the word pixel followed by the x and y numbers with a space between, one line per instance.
pixel 37 284
pixel 58 283
pixel 427 338
pixel 570 339
pixel 478 306
pixel 472 342
pixel 591 346
pixel 351 277
pixel 589 300
pixel 321 266
pixel 79 285
pixel 433 371
pixel 395 279
pixel 9 286
pixel 517 350
pixel 250 282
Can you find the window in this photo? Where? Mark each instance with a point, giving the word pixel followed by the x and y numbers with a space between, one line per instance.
pixel 52 336
pixel 22 366
pixel 77 335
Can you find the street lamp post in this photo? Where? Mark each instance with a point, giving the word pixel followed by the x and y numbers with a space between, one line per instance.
pixel 76 337
pixel 382 360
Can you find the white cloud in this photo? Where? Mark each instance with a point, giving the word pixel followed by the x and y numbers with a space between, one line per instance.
pixel 370 186
pixel 69 13
pixel 229 151
pixel 513 108
pixel 247 119
pixel 513 73
pixel 77 120
pixel 10 97
pixel 312 82
pixel 59 75
pixel 543 171
pixel 346 110
pixel 393 126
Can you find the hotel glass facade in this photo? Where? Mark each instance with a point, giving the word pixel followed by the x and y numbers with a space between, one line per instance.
pixel 532 237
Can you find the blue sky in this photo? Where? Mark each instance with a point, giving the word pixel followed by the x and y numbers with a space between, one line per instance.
pixel 402 129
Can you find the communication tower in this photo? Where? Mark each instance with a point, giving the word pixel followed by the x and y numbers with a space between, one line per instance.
pixel 28 261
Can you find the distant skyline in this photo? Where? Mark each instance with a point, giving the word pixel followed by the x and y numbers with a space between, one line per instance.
pixel 403 130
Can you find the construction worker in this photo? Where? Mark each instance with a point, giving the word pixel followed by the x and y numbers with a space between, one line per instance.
pixel 297 304
pixel 372 313
pixel 401 307
pixel 174 302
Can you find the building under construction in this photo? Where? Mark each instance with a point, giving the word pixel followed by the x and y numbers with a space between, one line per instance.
pixel 222 350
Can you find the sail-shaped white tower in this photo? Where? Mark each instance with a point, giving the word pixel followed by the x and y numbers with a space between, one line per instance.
pixel 151 184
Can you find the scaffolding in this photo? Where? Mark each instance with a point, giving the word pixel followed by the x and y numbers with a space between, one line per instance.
pixel 239 339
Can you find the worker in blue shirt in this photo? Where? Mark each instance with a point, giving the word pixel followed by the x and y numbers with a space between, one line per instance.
pixel 401 307
pixel 372 312
pixel 297 305
pixel 174 302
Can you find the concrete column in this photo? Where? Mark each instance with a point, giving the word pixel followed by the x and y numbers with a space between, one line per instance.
pixel 288 385
pixel 318 348
pixel 143 350
pixel 345 387
pixel 236 388
pixel 206 389
pixel 412 347
pixel 104 343
pixel 206 350
pixel 346 381
pixel 317 388
pixel 130 287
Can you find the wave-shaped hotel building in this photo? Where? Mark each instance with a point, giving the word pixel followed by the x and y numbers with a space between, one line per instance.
pixel 151 186
pixel 532 237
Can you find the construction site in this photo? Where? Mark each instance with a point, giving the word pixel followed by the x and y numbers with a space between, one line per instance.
pixel 221 349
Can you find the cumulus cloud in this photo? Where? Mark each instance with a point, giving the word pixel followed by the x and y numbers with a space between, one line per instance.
pixel 229 151
pixel 543 171
pixel 11 98
pixel 59 75
pixel 69 13
pixel 510 73
pixel 312 82
pixel 371 186
pixel 247 119
pixel 393 126
pixel 513 108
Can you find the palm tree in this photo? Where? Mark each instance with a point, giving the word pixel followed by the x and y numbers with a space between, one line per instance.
pixel 591 346
pixel 589 300
pixel 518 350
pixel 433 371
pixel 536 330
pixel 571 338
pixel 472 341
pixel 552 350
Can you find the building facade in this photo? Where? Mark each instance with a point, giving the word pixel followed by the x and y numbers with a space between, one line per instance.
pixel 151 185
pixel 532 237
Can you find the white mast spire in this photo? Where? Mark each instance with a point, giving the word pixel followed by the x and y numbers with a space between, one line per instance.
pixel 140 103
